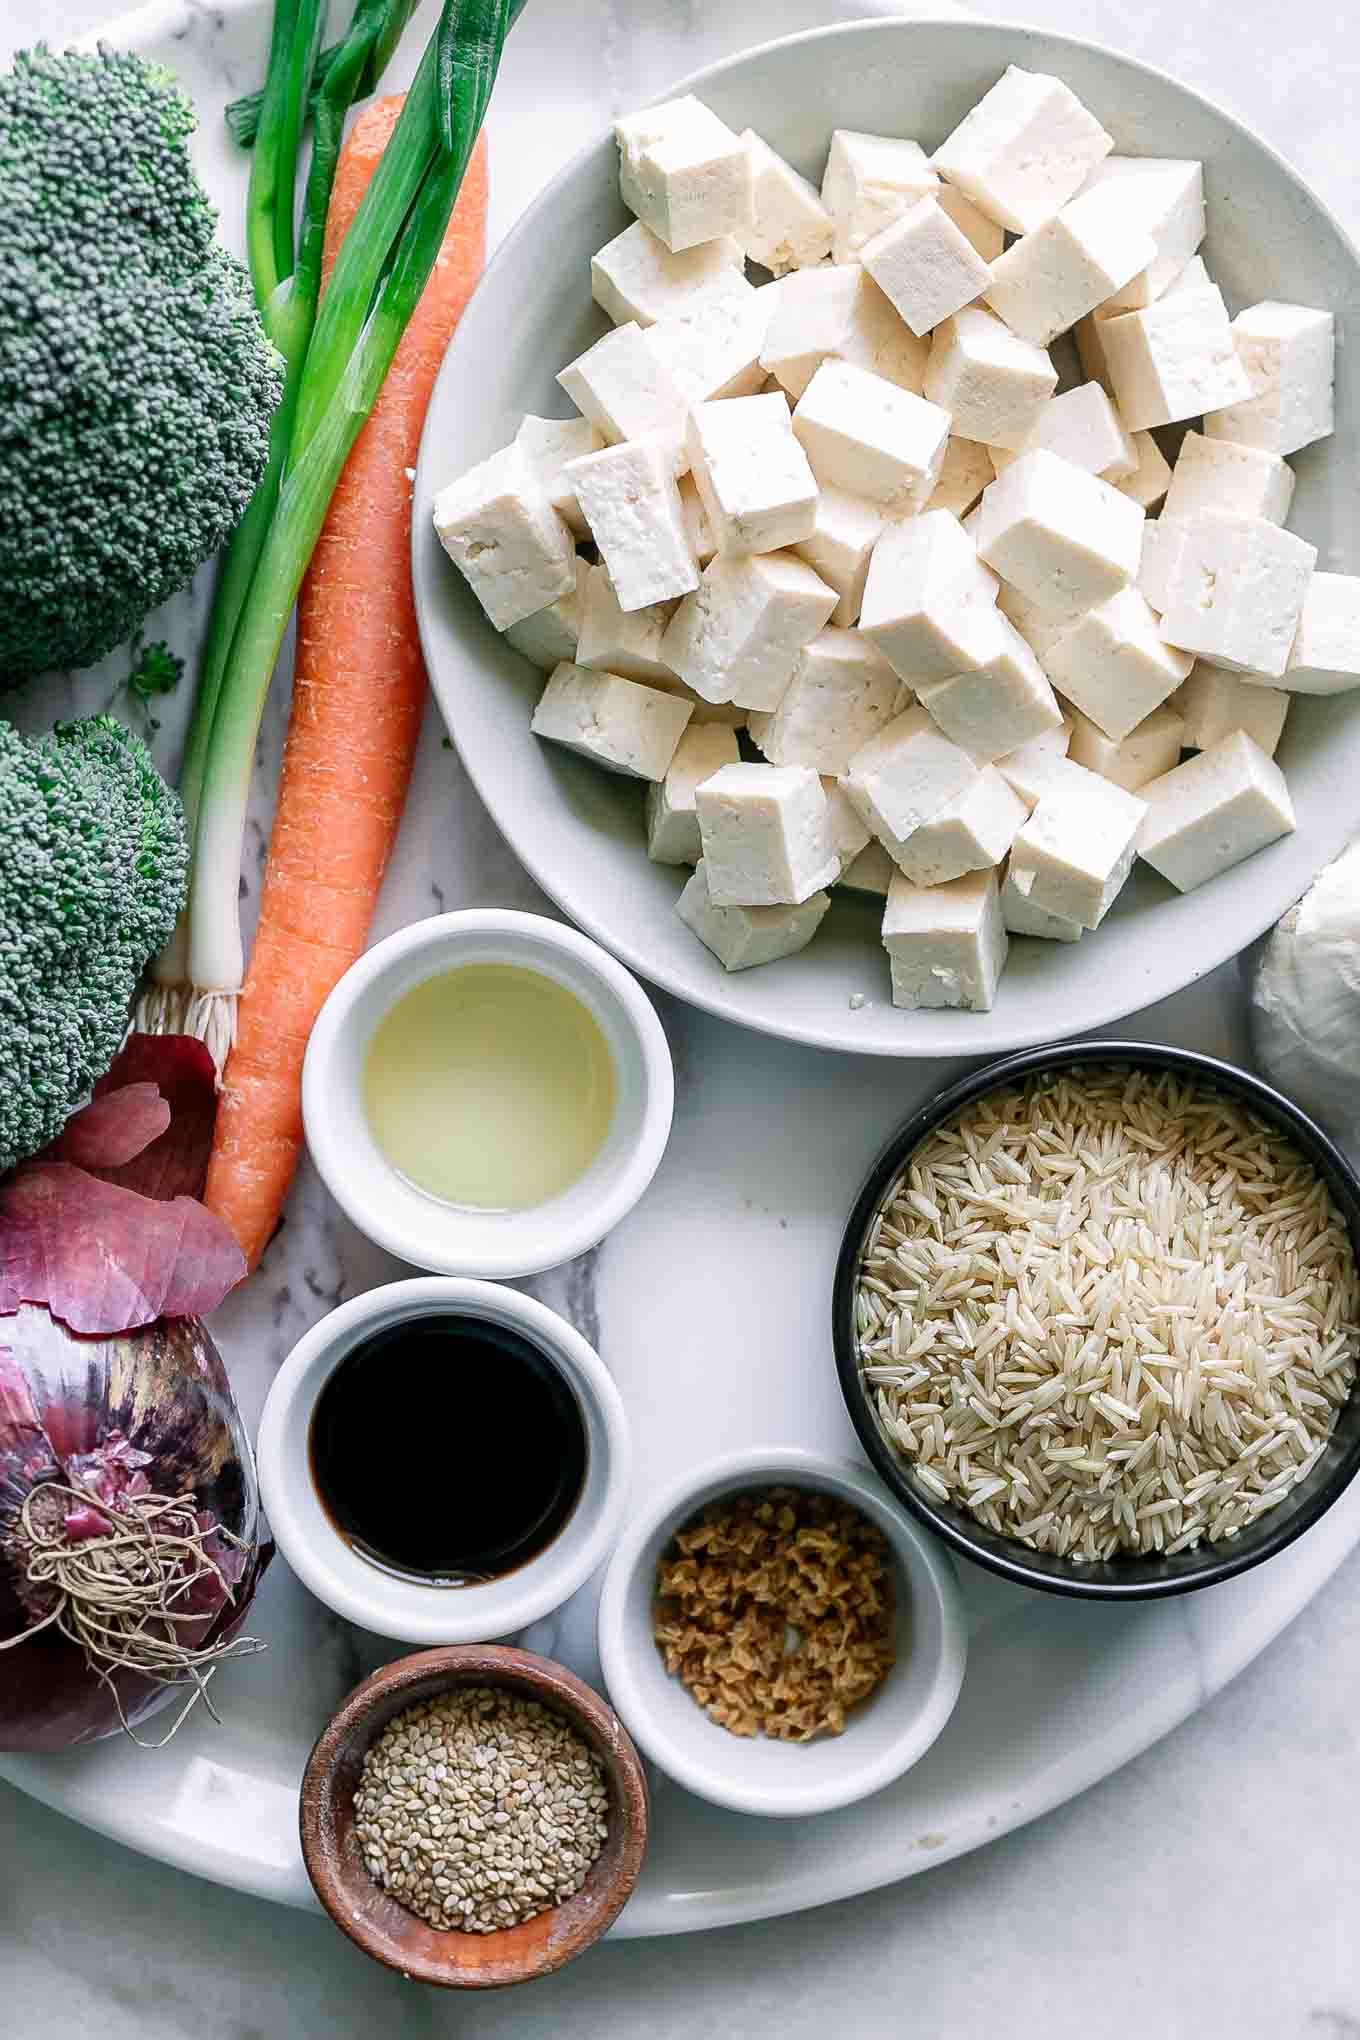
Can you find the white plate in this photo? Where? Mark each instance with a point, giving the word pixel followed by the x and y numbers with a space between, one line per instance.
pixel 579 830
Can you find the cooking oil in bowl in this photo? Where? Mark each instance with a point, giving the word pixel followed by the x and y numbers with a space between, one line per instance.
pixel 490 1086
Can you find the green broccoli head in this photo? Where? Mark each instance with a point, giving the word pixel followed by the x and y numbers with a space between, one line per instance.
pixel 93 875
pixel 136 380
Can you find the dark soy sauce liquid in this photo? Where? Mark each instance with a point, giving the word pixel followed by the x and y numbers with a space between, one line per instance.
pixel 447 1449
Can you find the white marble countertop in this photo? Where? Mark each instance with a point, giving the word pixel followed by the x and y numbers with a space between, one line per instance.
pixel 1139 1909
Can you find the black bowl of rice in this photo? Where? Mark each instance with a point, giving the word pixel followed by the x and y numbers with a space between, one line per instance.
pixel 1097 1319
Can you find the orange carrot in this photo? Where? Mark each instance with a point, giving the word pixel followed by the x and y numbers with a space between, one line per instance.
pixel 358 696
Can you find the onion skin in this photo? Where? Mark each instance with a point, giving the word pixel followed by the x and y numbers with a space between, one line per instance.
pixel 165 1389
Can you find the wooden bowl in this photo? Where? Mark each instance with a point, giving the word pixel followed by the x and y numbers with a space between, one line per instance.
pixel 383 1928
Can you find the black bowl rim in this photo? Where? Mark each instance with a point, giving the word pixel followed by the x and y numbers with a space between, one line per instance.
pixel 1119 1579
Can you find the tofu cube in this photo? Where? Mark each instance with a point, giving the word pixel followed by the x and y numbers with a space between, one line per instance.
pixel 742 937
pixel 1077 260
pixel 1042 766
pixel 1077 848
pixel 711 346
pixel 1173 360
pixel 866 436
pixel 1083 427
pixel 1165 196
pixel 972 832
pixel 1213 704
pixel 551 635
pixel 548 444
pixel 903 777
pixel 684 173
pixel 635 278
pixel 1143 755
pixel 849 835
pixel 791 227
pixel 1240 481
pixel 1151 478
pixel 1235 589
pixel 1021 917
pixel 946 944
pixel 717 714
pixel 698 530
pixel 836 314
pixel 1039 627
pixel 506 540
pixel 1161 548
pixel 986 236
pixel 993 384
pixel 1026 148
pixel 617 723
pixel 627 391
pixel 629 499
pixel 1213 811
pixel 870 181
pixel 1115 666
pixel 966 472
pixel 1062 537
pixel 845 531
pixel 615 640
pixel 842 693
pixel 929 605
pixel 1003 703
pixel 766 835
pixel 871 873
pixel 1325 657
pixel 1286 353
pixel 925 266
pixel 1088 335
pixel 752 474
pixel 738 636
pixel 672 823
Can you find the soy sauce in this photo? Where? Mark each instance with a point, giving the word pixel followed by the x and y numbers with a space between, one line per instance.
pixel 447 1449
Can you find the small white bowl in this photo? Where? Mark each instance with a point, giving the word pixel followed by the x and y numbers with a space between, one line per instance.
pixel 410 1609
pixel 448 1238
pixel 881 1739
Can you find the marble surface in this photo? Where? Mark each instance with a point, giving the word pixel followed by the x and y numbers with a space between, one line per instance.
pixel 1165 1869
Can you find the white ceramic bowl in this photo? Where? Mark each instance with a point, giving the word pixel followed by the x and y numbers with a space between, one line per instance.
pixel 409 1609
pixel 423 1229
pixel 880 1741
pixel 580 831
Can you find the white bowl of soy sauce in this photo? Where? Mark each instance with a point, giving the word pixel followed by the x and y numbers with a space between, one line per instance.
pixel 444 1460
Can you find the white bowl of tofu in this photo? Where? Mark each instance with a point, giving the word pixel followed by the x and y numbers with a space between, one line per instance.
pixel 885 539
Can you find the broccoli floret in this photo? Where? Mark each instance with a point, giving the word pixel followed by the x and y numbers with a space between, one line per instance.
pixel 93 875
pixel 157 670
pixel 136 380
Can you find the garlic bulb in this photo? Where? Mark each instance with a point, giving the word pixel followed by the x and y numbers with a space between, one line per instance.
pixel 1305 1003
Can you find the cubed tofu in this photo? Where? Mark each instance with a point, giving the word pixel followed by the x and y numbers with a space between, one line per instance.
pixel 845 531
pixel 711 346
pixel 1173 360
pixel 684 173
pixel 672 824
pixel 723 714
pixel 925 266
pixel 1083 427
pixel 965 474
pixel 512 548
pixel 1325 657
pixel 1212 704
pixel 1161 547
pixel 1165 195
pixel 849 833
pixel 1088 335
pixel 742 937
pixel 752 474
pixel 627 391
pixel 1026 767
pixel 1021 917
pixel 614 640
pixel 548 444
pixel 630 501
pixel 1039 626
pixel 904 775
pixel 842 693
pixel 992 384
pixel 1240 481
pixel 1144 754
pixel 1194 276
pixel 1286 353
pixel 1115 666
pixel 985 234
pixel 698 530
pixel 617 723
pixel 1026 148
pixel 1062 537
pixel 928 603
pixel 635 278
pixel 866 436
pixel 766 835
pixel 791 227
pixel 1077 848
pixel 738 636
pixel 1151 478
pixel 972 832
pixel 946 944
pixel 871 180
pixel 870 874
pixel 1001 704
pixel 1234 591
pixel 551 635
pixel 1077 260
pixel 837 313
pixel 1213 811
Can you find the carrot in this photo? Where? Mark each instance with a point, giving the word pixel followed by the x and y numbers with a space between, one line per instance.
pixel 358 697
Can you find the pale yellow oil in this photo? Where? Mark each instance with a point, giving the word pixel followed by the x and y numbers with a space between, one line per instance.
pixel 490 1087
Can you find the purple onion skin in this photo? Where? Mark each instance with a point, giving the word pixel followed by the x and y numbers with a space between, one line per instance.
pixel 164 1388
